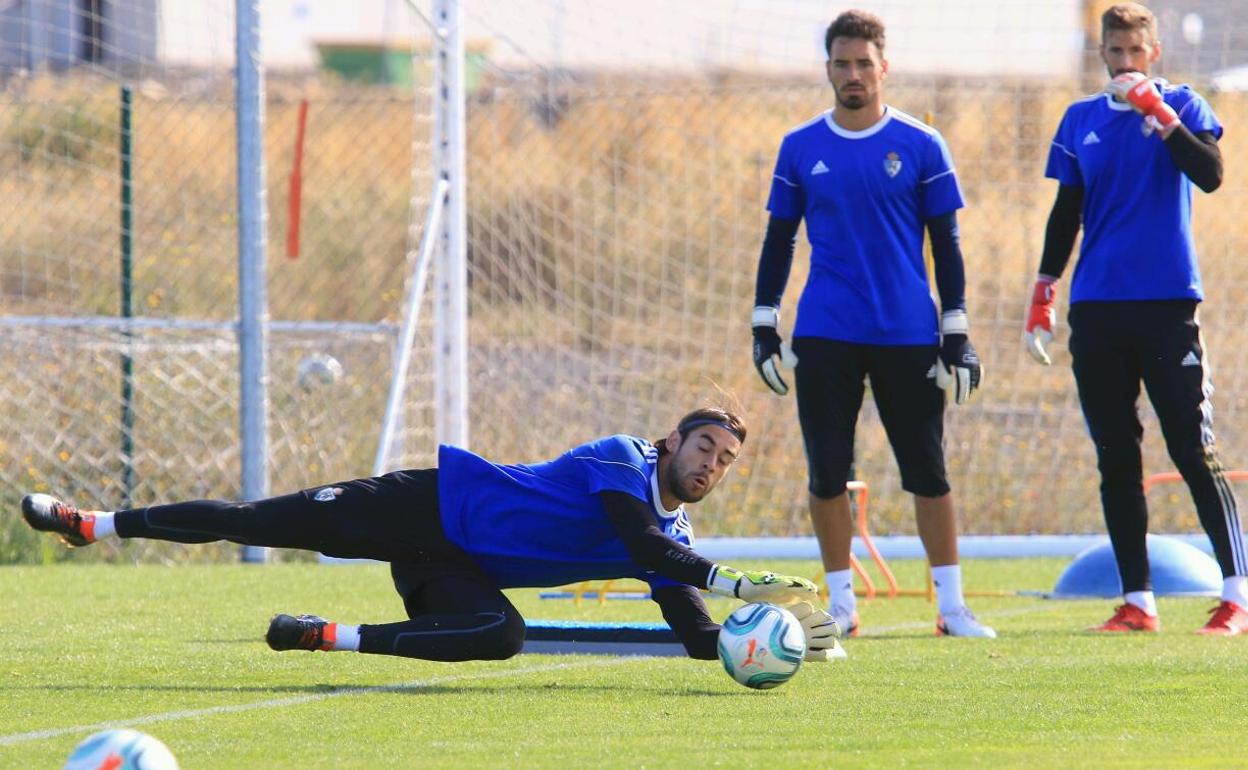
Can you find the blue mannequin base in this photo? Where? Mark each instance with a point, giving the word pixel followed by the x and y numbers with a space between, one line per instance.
pixel 1178 569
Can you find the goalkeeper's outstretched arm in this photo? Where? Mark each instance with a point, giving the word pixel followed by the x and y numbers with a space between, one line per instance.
pixel 653 550
pixel 685 612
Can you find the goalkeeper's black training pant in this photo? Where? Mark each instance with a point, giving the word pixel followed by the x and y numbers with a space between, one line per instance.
pixel 1115 346
pixel 456 612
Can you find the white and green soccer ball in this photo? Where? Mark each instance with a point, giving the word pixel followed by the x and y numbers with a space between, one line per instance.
pixel 121 750
pixel 318 370
pixel 761 645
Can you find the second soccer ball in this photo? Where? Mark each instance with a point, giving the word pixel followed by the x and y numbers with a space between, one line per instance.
pixel 121 750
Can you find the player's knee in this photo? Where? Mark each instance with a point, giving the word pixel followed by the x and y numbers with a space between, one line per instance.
pixel 827 483
pixel 825 489
pixel 505 639
pixel 1119 465
pixel 928 487
pixel 926 481
pixel 1195 461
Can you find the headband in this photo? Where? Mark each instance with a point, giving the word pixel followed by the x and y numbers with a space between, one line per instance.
pixel 685 427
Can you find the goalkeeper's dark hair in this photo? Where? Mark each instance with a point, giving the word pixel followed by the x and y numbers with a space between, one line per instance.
pixel 1128 17
pixel 855 24
pixel 710 415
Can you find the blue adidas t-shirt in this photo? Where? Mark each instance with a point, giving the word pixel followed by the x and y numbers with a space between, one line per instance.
pixel 1137 205
pixel 544 524
pixel 865 196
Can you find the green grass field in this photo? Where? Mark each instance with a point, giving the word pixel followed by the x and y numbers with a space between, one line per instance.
pixel 178 652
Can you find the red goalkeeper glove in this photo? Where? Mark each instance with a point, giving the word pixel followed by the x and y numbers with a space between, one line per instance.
pixel 1038 331
pixel 1136 89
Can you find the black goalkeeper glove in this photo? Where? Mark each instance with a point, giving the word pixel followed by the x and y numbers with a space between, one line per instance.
pixel 769 351
pixel 959 369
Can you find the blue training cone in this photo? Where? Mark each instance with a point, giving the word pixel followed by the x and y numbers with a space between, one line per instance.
pixel 1178 569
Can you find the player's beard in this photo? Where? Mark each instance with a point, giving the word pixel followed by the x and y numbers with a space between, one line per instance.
pixel 854 101
pixel 682 488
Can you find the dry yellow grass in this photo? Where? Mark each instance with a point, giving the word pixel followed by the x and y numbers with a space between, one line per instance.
pixel 612 251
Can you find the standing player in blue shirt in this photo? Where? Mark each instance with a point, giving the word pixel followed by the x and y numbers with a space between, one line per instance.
pixel 1125 161
pixel 458 534
pixel 867 179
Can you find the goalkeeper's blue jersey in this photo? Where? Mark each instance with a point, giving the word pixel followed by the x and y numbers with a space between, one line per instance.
pixel 545 524
pixel 865 196
pixel 1137 205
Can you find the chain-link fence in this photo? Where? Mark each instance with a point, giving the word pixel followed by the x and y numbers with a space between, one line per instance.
pixel 617 175
pixel 119 278
pixel 616 216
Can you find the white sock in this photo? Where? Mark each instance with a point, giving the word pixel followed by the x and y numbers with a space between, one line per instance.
pixel 948 581
pixel 347 638
pixel 840 584
pixel 1235 589
pixel 1142 599
pixel 104 526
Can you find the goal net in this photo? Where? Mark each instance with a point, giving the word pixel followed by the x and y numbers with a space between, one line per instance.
pixel 619 162
pixel 119 261
pixel 619 156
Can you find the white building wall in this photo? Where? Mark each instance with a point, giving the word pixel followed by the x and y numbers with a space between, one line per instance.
pixel 973 37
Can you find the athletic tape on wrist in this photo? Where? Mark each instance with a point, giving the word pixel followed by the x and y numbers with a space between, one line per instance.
pixel 954 322
pixel 765 315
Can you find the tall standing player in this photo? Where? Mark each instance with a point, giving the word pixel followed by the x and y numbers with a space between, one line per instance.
pixel 1125 161
pixel 868 178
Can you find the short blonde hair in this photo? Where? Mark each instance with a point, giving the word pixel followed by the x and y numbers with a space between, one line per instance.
pixel 1128 17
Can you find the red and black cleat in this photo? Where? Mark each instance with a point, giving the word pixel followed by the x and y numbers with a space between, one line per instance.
pixel 47 514
pixel 306 632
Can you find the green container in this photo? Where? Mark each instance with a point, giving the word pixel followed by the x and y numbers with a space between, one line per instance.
pixel 379 63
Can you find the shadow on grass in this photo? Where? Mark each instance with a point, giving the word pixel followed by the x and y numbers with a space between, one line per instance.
pixel 331 689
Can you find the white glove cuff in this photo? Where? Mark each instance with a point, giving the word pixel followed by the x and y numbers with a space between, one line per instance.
pixel 954 322
pixel 722 581
pixel 766 316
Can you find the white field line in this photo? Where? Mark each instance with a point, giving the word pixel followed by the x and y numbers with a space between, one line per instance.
pixel 911 626
pixel 16 738
pixel 295 700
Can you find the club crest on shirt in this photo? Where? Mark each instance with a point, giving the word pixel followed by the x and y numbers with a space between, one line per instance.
pixel 327 494
pixel 892 164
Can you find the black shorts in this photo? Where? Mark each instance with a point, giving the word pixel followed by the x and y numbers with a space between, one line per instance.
pixel 399 514
pixel 831 379
pixel 433 574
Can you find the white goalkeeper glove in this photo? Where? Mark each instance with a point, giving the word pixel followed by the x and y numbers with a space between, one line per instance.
pixel 759 586
pixel 822 632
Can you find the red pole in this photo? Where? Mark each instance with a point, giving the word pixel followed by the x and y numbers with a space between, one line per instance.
pixel 296 186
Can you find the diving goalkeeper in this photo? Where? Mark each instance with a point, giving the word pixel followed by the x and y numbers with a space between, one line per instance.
pixel 458 534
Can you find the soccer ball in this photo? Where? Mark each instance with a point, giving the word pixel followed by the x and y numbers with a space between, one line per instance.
pixel 761 645
pixel 317 370
pixel 121 750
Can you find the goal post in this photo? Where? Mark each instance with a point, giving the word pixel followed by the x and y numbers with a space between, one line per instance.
pixel 618 159
pixel 608 166
pixel 253 303
pixel 191 238
pixel 404 345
